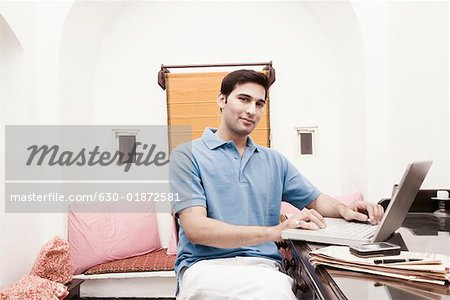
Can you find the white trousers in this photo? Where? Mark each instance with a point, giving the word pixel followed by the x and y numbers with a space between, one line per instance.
pixel 235 278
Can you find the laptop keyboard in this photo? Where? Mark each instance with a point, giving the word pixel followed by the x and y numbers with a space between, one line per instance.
pixel 353 230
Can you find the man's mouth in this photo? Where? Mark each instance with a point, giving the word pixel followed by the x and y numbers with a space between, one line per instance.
pixel 247 120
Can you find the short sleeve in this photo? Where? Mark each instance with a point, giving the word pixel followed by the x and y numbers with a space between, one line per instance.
pixel 185 180
pixel 297 190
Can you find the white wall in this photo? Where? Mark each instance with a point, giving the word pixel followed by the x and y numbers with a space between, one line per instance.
pixel 10 62
pixel 340 28
pixel 29 76
pixel 406 91
pixel 372 75
pixel 137 42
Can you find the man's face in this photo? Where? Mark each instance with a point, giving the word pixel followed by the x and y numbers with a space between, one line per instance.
pixel 243 108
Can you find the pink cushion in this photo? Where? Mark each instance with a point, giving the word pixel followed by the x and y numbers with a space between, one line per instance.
pixel 287 208
pixel 172 249
pixel 349 198
pixel 150 262
pixel 53 261
pixel 102 237
pixel 34 287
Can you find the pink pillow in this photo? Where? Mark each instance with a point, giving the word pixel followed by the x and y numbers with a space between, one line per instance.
pixel 287 208
pixel 102 237
pixel 53 261
pixel 349 198
pixel 34 287
pixel 172 249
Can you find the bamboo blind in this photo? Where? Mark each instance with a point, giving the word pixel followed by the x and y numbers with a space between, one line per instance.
pixel 191 100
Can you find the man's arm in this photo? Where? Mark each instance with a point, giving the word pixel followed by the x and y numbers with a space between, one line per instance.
pixel 200 229
pixel 357 210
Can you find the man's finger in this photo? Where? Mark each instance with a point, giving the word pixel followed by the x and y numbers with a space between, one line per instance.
pixel 317 218
pixel 314 216
pixel 370 212
pixel 311 215
pixel 380 212
pixel 377 213
pixel 353 215
pixel 307 225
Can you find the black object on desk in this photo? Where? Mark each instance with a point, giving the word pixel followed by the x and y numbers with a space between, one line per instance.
pixel 395 260
pixel 423 202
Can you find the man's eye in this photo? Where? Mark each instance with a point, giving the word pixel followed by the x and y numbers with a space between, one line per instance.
pixel 244 99
pixel 260 104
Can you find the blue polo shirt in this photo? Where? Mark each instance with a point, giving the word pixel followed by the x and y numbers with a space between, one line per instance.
pixel 209 172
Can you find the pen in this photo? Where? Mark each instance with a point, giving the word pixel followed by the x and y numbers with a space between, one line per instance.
pixel 395 260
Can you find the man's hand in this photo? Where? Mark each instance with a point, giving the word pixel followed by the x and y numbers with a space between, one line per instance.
pixel 358 210
pixel 306 219
pixel 362 211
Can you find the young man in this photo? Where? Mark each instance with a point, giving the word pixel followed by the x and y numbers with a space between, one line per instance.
pixel 230 192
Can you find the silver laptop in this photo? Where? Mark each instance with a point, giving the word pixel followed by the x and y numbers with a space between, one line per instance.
pixel 342 232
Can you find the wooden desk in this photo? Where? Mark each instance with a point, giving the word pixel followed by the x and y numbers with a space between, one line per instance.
pixel 328 283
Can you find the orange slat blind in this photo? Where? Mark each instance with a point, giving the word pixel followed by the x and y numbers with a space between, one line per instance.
pixel 191 100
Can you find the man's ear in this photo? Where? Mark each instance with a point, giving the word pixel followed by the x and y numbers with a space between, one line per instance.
pixel 221 100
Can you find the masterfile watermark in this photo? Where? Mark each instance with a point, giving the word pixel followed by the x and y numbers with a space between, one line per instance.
pixel 98 168
pixel 53 156
pixel 91 152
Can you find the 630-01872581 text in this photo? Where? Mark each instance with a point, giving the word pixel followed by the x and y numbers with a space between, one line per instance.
pixel 94 197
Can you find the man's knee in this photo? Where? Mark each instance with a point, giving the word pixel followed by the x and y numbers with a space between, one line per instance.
pixel 207 280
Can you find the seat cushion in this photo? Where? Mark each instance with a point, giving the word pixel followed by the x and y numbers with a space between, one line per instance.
pixel 97 238
pixel 154 261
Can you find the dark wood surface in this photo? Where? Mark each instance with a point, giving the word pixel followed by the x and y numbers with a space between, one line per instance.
pixel 74 289
pixel 309 282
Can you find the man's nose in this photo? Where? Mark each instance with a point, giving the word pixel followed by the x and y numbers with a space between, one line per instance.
pixel 251 108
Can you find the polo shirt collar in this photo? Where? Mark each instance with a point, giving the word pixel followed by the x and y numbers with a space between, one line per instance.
pixel 212 141
pixel 252 144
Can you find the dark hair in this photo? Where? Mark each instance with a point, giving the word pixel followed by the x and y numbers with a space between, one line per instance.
pixel 242 76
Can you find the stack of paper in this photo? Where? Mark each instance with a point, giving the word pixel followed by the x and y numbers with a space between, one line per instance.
pixel 433 268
